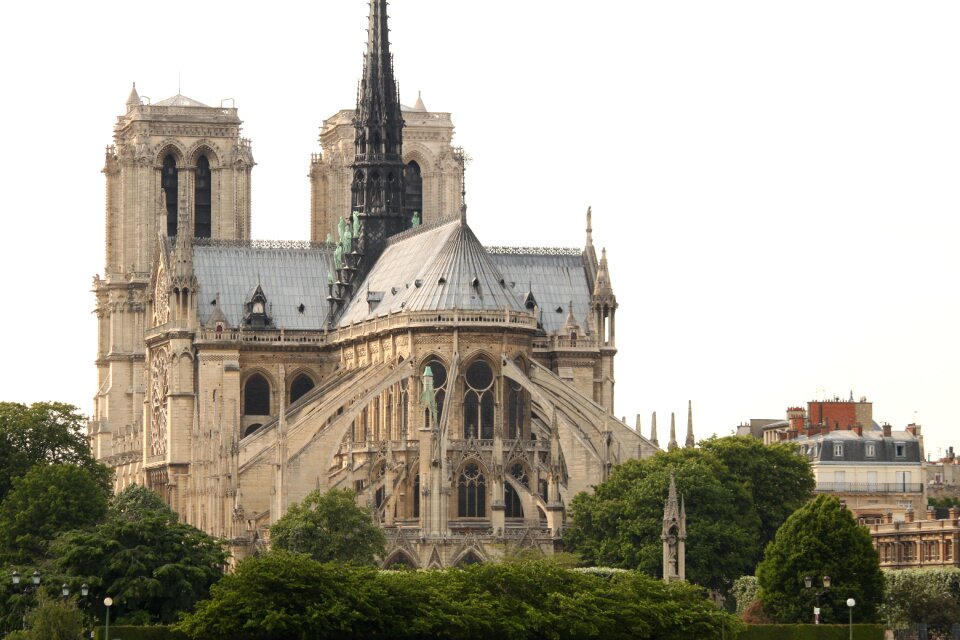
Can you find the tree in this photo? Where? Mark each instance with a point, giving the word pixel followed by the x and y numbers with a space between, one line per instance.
pixel 620 523
pixel 777 476
pixel 821 538
pixel 153 566
pixel 330 527
pixel 43 433
pixel 931 596
pixel 49 499
pixel 51 619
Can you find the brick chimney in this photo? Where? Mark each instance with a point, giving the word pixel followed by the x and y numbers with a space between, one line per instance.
pixel 888 517
pixel 887 430
pixel 954 513
pixel 858 428
pixel 908 516
pixel 931 513
pixel 913 429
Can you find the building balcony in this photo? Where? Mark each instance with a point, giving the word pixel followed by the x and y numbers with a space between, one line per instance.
pixel 869 487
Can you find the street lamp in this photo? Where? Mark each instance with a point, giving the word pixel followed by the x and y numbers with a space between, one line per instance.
pixel 65 590
pixel 850 604
pixel 107 602
pixel 808 583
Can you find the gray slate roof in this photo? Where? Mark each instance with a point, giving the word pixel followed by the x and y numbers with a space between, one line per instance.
pixel 432 268
pixel 289 277
pixel 555 280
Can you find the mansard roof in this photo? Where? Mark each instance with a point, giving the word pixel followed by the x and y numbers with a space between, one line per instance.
pixel 180 100
pixel 441 266
pixel 556 277
pixel 290 274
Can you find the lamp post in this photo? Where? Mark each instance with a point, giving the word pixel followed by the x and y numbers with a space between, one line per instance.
pixel 34 583
pixel 107 602
pixel 808 583
pixel 850 604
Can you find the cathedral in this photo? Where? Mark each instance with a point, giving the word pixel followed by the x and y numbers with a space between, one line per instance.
pixel 464 392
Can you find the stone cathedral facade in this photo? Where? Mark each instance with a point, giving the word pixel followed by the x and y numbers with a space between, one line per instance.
pixel 465 392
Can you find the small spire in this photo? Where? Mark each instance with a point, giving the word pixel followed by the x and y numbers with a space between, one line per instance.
pixel 689 443
pixel 419 106
pixel 589 226
pixel 134 99
pixel 673 433
pixel 602 285
pixel 653 430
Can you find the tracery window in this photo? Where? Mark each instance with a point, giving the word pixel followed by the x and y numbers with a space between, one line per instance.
pixel 416 496
pixel 478 402
pixel 514 410
pixel 256 396
pixel 202 199
pixel 169 182
pixel 519 473
pixel 514 507
pixel 301 385
pixel 413 190
pixel 439 383
pixel 471 493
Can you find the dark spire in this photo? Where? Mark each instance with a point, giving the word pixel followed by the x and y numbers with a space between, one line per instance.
pixel 377 190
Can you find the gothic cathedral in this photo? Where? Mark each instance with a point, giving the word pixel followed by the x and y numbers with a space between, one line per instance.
pixel 465 392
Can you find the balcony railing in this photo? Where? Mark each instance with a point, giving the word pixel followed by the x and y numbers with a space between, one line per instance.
pixel 870 487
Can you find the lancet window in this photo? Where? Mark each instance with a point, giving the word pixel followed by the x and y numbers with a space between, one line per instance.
pixel 413 190
pixel 301 385
pixel 471 493
pixel 514 507
pixel 202 199
pixel 515 410
pixel 256 396
pixel 169 182
pixel 478 402
pixel 439 383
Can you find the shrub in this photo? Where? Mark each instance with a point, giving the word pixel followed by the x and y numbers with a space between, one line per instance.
pixel 811 632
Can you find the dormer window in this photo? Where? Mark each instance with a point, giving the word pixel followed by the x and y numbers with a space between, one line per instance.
pixel 837 449
pixel 871 451
pixel 900 449
pixel 256 310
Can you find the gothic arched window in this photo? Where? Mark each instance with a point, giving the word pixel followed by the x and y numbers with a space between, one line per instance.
pixel 249 430
pixel 413 190
pixel 301 385
pixel 478 402
pixel 439 372
pixel 514 507
pixel 514 410
pixel 471 493
pixel 169 183
pixel 256 396
pixel 416 496
pixel 202 199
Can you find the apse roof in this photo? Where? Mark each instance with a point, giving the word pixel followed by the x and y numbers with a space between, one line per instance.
pixel 555 277
pixel 441 266
pixel 180 100
pixel 290 275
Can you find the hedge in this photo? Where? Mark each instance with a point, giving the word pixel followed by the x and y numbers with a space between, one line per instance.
pixel 129 632
pixel 810 632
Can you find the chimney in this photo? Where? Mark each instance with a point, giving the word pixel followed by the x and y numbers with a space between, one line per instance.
pixel 954 513
pixel 887 430
pixel 913 429
pixel 908 516
pixel 796 417
pixel 931 513
pixel 888 517
pixel 858 428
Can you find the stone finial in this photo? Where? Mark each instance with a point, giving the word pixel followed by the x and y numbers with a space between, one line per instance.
pixel 653 430
pixel 589 226
pixel 689 444
pixel 602 285
pixel 419 106
pixel 673 433
pixel 133 100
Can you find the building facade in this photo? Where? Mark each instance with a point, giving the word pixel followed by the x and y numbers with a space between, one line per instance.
pixel 918 542
pixel 465 392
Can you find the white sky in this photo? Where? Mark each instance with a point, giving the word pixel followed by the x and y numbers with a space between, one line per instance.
pixel 776 182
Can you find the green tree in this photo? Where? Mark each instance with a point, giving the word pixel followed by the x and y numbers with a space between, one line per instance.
pixel 821 538
pixel 51 619
pixel 49 499
pixel 153 566
pixel 43 433
pixel 620 523
pixel 931 596
pixel 777 476
pixel 330 527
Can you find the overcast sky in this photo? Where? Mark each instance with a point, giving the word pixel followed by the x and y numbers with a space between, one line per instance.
pixel 776 183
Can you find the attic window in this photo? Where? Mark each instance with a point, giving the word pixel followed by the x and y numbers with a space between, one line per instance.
pixel 213 302
pixel 442 280
pixel 301 308
pixel 559 309
pixel 417 283
pixel 475 283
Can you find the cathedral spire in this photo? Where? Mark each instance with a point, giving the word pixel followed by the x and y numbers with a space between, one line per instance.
pixel 377 190
pixel 689 444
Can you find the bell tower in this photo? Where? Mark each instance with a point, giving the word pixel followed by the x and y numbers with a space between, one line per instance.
pixel 176 168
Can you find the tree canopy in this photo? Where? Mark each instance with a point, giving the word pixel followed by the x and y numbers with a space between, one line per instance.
pixel 330 527
pixel 820 539
pixel 282 596
pixel 730 500
pixel 49 499
pixel 153 566
pixel 43 433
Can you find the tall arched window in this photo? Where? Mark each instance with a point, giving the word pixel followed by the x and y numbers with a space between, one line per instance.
pixel 416 496
pixel 439 383
pixel 256 396
pixel 169 183
pixel 514 410
pixel 202 199
pixel 478 402
pixel 514 507
pixel 413 190
pixel 301 385
pixel 471 493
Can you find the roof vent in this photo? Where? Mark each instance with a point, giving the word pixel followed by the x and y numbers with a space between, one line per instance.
pixel 301 308
pixel 417 283
pixel 442 280
pixel 503 283
pixel 393 291
pixel 559 309
pixel 475 283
